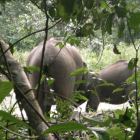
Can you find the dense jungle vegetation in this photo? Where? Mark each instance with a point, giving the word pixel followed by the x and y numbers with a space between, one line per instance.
pixel 104 31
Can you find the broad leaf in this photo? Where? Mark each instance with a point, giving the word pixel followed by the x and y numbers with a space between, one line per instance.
pixel 97 121
pixel 134 20
pixel 136 29
pixel 105 84
pixel 119 112
pixel 109 23
pixel 11 118
pixel 60 44
pixel 81 97
pixel 132 63
pixel 118 89
pixel 80 71
pixel 81 81
pixel 120 34
pixel 42 79
pixel 121 24
pixel 50 81
pixel 52 12
pixel 5 89
pixel 117 132
pixel 121 12
pixel 66 8
pixel 69 126
pixel 101 133
pixel 28 68
pixel 94 92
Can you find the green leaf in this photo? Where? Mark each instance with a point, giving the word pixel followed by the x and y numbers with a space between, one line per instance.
pixel 88 3
pixel 50 81
pixel 94 92
pixel 136 29
pixel 9 117
pixel 121 24
pixel 105 84
pixel 130 79
pixel 81 97
pixel 60 44
pixel 81 81
pixel 5 89
pixel 116 132
pixel 118 89
pixel 134 20
pixel 119 112
pixel 77 42
pixel 80 71
pixel 101 133
pixel 66 8
pixel 132 63
pixel 109 23
pixel 33 68
pixel 87 29
pixel 121 11
pixel 65 35
pixel 94 121
pixel 42 79
pixel 69 126
pixel 120 34
pixel 72 42
pixel 52 12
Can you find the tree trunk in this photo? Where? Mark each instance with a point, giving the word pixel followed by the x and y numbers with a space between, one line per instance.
pixel 136 135
pixel 19 78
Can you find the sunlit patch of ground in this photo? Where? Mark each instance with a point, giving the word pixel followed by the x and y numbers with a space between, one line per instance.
pixel 9 101
pixel 106 106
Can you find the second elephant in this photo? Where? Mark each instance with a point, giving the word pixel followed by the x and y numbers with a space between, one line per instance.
pixel 117 74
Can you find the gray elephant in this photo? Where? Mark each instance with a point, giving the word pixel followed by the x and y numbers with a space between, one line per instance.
pixel 117 73
pixel 61 64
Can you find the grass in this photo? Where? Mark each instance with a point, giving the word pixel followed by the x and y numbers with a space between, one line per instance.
pixel 96 63
pixel 21 56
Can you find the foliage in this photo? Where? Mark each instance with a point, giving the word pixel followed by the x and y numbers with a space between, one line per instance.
pixel 96 21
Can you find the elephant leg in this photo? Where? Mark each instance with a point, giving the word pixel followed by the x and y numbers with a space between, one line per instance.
pixel 92 103
pixel 47 108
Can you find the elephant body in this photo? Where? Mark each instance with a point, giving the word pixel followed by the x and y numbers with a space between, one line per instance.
pixel 61 64
pixel 117 73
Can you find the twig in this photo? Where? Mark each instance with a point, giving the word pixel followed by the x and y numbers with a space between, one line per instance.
pixel 136 49
pixel 22 39
pixel 43 49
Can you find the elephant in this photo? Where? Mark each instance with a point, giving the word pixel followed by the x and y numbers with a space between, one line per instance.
pixel 61 64
pixel 117 74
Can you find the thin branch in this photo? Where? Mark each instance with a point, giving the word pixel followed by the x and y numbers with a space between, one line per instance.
pixel 22 39
pixel 130 34
pixel 37 6
pixel 30 35
pixel 136 49
pixel 43 49
pixel 35 137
